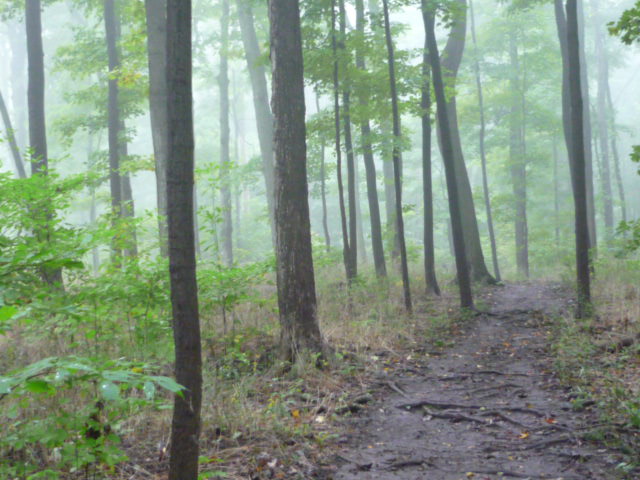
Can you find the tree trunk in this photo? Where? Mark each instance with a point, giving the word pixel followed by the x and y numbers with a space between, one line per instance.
pixel 397 161
pixel 518 162
pixel 448 157
pixel 614 151
pixel 300 331
pixel 156 12
pixel 264 118
pixel 450 60
pixel 185 427
pixel 348 143
pixel 431 281
pixel 369 163
pixel 556 193
pixel 483 156
pixel 13 144
pixel 346 254
pixel 225 161
pixel 323 185
pixel 578 159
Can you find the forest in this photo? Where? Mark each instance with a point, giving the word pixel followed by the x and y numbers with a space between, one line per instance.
pixel 319 239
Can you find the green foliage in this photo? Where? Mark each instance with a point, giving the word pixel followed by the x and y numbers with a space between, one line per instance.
pixel 72 410
pixel 628 26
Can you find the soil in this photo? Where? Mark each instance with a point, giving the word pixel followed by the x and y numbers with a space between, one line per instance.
pixel 490 407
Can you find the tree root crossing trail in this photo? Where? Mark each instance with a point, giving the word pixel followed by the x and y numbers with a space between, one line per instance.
pixel 488 408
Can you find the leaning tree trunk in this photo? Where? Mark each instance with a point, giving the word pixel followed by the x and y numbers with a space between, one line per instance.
pixel 396 155
pixel 264 118
pixel 369 163
pixel 448 157
pixel 156 11
pixel 225 160
pixel 579 162
pixel 431 281
pixel 300 331
pixel 11 138
pixel 450 61
pixel 483 155
pixel 185 426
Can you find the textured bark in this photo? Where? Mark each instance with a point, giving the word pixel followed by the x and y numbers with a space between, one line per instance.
pixel 397 161
pixel 225 160
pixel 431 281
pixel 11 138
pixel 483 156
pixel 448 157
pixel 579 162
pixel 300 331
pixel 450 61
pixel 264 118
pixel 185 426
pixel 346 255
pixel 348 144
pixel 518 162
pixel 369 163
pixel 156 13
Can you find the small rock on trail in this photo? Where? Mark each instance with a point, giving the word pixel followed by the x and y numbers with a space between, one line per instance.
pixel 489 408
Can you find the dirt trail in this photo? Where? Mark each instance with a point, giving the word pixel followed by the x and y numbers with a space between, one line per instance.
pixel 488 408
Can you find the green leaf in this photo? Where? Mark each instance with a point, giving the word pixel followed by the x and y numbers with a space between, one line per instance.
pixel 149 390
pixel 168 384
pixel 7 312
pixel 39 386
pixel 5 386
pixel 110 391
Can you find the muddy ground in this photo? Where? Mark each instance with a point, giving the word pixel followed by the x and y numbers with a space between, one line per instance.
pixel 488 408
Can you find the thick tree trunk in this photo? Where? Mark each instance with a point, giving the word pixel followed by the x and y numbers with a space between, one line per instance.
pixel 518 162
pixel 579 162
pixel 185 426
pixel 156 12
pixel 225 160
pixel 11 138
pixel 346 254
pixel 483 156
pixel 397 161
pixel 451 58
pixel 300 331
pixel 431 281
pixel 348 143
pixel 448 157
pixel 369 163
pixel 264 118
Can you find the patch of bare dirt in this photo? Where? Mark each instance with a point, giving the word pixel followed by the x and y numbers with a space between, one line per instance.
pixel 488 408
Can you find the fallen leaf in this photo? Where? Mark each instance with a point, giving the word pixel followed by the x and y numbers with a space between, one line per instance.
pixel 524 435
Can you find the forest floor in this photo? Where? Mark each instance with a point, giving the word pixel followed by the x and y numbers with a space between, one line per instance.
pixel 488 407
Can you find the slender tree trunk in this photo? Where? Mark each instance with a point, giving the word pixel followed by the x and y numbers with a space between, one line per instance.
pixel 450 60
pixel 156 13
pixel 264 118
pixel 518 163
pixel 448 155
pixel 13 144
pixel 225 160
pixel 483 156
pixel 185 427
pixel 579 163
pixel 323 185
pixel 556 192
pixel 348 143
pixel 369 163
pixel 390 194
pixel 614 151
pixel 431 281
pixel 336 106
pixel 362 247
pixel 296 285
pixel 128 205
pixel 603 124
pixel 397 161
pixel 19 84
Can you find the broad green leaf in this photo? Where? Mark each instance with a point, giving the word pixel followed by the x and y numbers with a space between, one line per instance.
pixel 110 391
pixel 39 386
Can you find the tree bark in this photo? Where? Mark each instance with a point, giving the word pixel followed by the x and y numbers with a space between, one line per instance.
pixel 225 160
pixel 369 163
pixel 11 138
pixel 323 185
pixel 397 161
pixel 579 162
pixel 156 14
pixel 483 156
pixel 448 157
pixel 185 426
pixel 431 281
pixel 300 331
pixel 264 118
